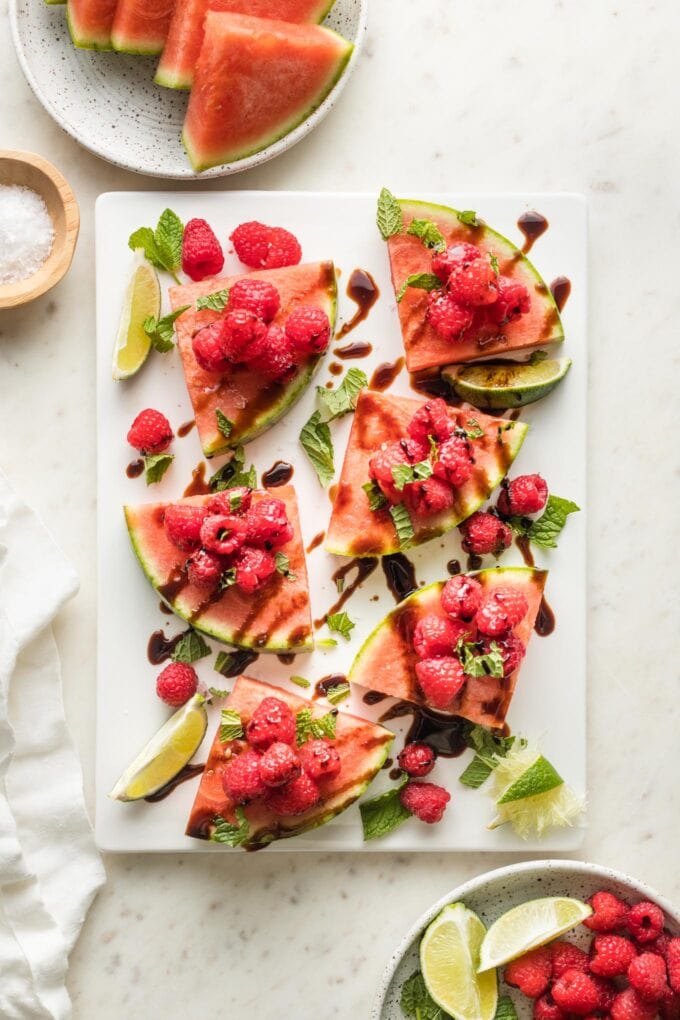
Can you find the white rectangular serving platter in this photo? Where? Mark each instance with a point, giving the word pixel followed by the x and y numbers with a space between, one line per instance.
pixel 550 703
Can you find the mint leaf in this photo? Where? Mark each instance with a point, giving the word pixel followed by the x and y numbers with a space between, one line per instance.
pixel 376 499
pixel 389 218
pixel 340 623
pixel 324 726
pixel 422 281
pixel 537 357
pixel 429 233
pixel 300 681
pixel 224 424
pixel 505 1009
pixel 217 692
pixel 404 474
pixel 403 524
pixel 473 429
pixel 468 217
pixel 494 263
pixel 191 648
pixel 488 747
pixel 382 814
pixel 161 331
pixel 231 727
pixel 307 727
pixel 144 239
pixel 476 773
pixel 343 399
pixel 545 530
pixel 416 1000
pixel 283 566
pixel 316 441
pixel 475 663
pixel 168 237
pixel 216 301
pixel 338 692
pixel 234 474
pixel 230 833
pixel 227 579
pixel 323 643
pixel 155 466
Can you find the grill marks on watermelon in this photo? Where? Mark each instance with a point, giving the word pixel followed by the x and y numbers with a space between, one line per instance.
pixel 355 530
pixel 141 26
pixel 90 22
pixel 362 746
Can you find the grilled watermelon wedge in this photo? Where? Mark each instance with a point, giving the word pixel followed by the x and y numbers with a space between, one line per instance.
pixel 356 530
pixel 363 747
pixel 141 26
pixel 424 347
pixel 89 22
pixel 250 402
pixel 386 662
pixel 275 618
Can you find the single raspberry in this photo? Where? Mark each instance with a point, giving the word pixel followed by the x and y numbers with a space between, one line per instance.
pixel 432 419
pixel 389 455
pixel 242 777
pixel 275 360
pixel 182 523
pixel 466 631
pixel 576 992
pixel 308 329
pixel 267 523
pixel 546 1008
pixel 609 912
pixel 454 462
pixel 242 333
pixel 567 956
pixel 448 317
pixel 202 253
pixel 660 945
pixel 647 975
pixel 673 963
pixel 606 989
pixel 150 432
pixel 176 684
pixel 223 533
pixel 474 283
pixel 501 609
pixel 530 973
pixel 429 497
pixel 440 680
pixel 461 597
pixel 434 636
pixel 645 922
pixel 426 801
pixel 205 568
pixel 511 648
pixel 254 567
pixel 257 296
pixel 444 262
pixel 208 347
pixel 271 722
pixel 320 759
pixel 230 501
pixel 526 494
pixel 629 1006
pixel 298 796
pixel 280 765
pixel 611 955
pixel 263 247
pixel 484 533
pixel 417 760
pixel 512 301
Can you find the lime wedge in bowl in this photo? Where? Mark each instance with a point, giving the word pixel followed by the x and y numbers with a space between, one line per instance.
pixel 528 926
pixel 496 385
pixel 449 959
pixel 142 299
pixel 166 754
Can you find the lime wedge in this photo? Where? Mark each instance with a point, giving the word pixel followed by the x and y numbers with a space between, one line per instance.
pixel 494 385
pixel 530 794
pixel 528 926
pixel 142 299
pixel 449 957
pixel 538 778
pixel 166 754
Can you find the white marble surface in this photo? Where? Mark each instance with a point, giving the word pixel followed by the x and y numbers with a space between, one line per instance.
pixel 535 95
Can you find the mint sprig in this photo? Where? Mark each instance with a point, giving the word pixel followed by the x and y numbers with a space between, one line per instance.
pixel 404 474
pixel 155 466
pixel 417 1002
pixel 231 727
pixel 315 439
pixel 403 524
pixel 383 814
pixel 505 1009
pixel 343 399
pixel 429 233
pixel 161 331
pixel 376 499
pixel 468 217
pixel 216 302
pixel 476 663
pixel 389 217
pixel 163 246
pixel 191 648
pixel 283 566
pixel 308 728
pixel 338 692
pixel 234 474
pixel 300 681
pixel 230 833
pixel 421 281
pixel 489 748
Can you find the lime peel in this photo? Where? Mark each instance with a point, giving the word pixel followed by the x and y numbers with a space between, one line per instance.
pixel 449 958
pixel 142 300
pixel 527 926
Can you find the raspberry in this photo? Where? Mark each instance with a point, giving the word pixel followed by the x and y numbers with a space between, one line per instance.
pixel 474 283
pixel 660 945
pixel 426 801
pixel 484 533
pixel 611 955
pixel 309 330
pixel 461 597
pixel 448 317
pixel 405 451
pixel 429 497
pixel 531 973
pixel 609 912
pixel 513 300
pixel 242 334
pixel 253 568
pixel 205 568
pixel 606 990
pixel 320 759
pixel 257 296
pixel 629 1006
pixel 267 523
pixel 647 975
pixel 280 765
pixel 263 247
pixel 223 533
pixel 645 922
pixel 208 347
pixel 576 992
pixel 673 964
pixel 202 253
pixel 230 501
pixel 454 461
pixel 182 523
pixel 567 956
pixel 444 262
pixel 431 419
pixel 176 684
pixel 512 651
pixel 500 611
pixel 524 495
pixel 271 722
pixel 298 796
pixel 416 760
pixel 274 357
pixel 440 680
pixel 150 432
pixel 434 636
pixel 546 1008
pixel 242 777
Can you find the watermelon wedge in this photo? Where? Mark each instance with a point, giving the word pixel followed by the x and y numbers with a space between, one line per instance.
pixel 424 347
pixel 356 530
pixel 185 36
pixel 386 662
pixel 275 618
pixel 256 79
pixel 362 746
pixel 90 22
pixel 252 403
pixel 141 26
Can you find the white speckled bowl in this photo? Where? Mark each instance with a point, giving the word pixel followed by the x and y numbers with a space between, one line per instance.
pixel 492 894
pixel 109 103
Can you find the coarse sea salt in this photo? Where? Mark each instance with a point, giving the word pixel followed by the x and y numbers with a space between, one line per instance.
pixel 26 233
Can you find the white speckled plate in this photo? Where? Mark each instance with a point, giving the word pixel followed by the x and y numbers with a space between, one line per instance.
pixel 491 894
pixel 109 103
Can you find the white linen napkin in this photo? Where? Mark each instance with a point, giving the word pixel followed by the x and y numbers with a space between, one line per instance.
pixel 50 869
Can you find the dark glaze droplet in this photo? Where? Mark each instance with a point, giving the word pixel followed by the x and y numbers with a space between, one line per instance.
pixel 316 542
pixel 395 773
pixel 239 661
pixel 363 290
pixel 385 374
pixel 364 567
pixel 428 384
pixel 388 763
pixel 279 473
pixel 335 368
pixel 514 415
pixel 560 289
pixel 453 567
pixel 287 658
pixel 160 647
pixel 350 352
pixel 373 697
pixel 400 575
pixel 524 546
pixel 474 561
pixel 545 619
pixel 183 776
pixel 396 711
pixel 327 683
pixel 198 485
pixel 443 733
pixel 135 468
pixel 185 429
pixel 532 224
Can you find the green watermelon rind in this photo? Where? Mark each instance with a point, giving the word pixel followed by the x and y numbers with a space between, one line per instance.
pixel 82 42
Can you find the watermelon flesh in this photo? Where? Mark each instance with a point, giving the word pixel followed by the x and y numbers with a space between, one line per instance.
pixel 185 36
pixel 424 347
pixel 256 79
pixel 90 22
pixel 363 747
pixel 356 530
pixel 251 402
pixel 275 618
pixel 141 26
pixel 386 662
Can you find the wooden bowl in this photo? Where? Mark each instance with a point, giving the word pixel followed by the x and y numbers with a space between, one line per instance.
pixel 32 171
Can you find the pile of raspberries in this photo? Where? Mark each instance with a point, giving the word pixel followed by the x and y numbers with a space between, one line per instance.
pixel 427 801
pixel 631 971
pixel 486 531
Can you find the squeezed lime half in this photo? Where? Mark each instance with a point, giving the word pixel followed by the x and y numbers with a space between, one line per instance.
pixel 498 385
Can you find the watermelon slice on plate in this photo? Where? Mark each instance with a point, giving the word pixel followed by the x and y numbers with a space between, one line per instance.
pixel 185 36
pixel 275 618
pixel 252 403
pixel 362 746
pixel 90 22
pixel 141 26
pixel 424 347
pixel 356 530
pixel 386 661
pixel 256 79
